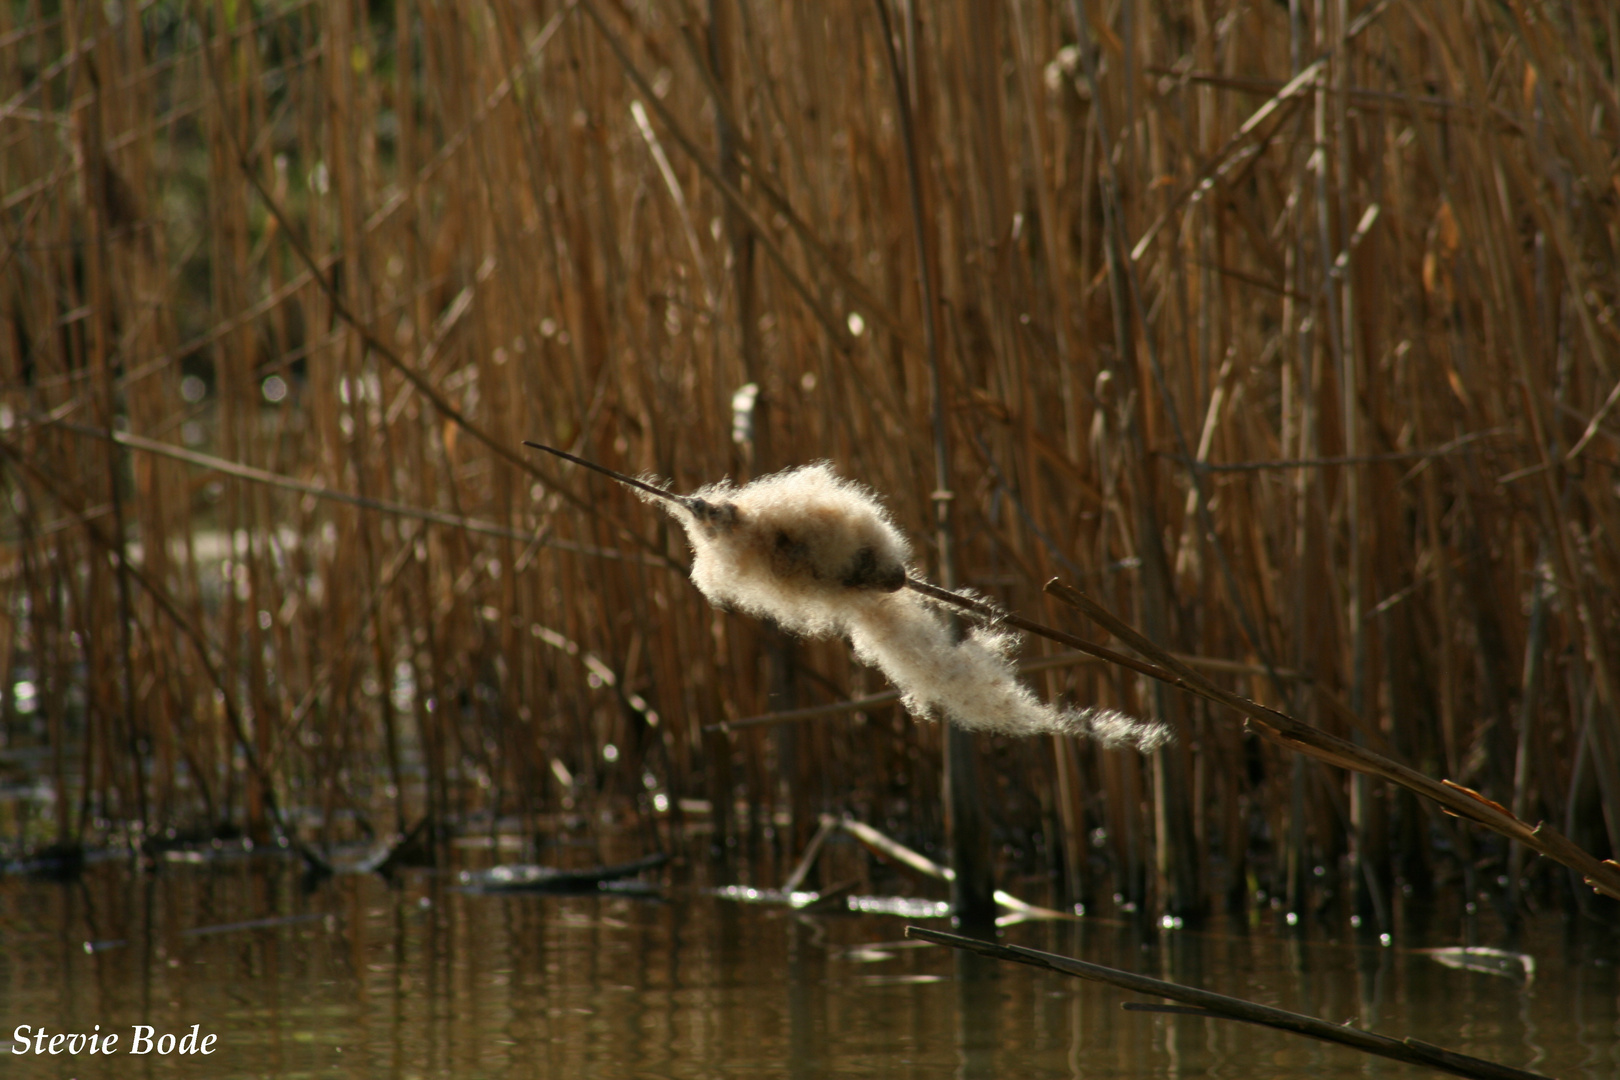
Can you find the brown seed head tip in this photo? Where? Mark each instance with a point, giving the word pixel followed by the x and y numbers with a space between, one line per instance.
pixel 823 529
pixel 714 516
pixel 796 546
pixel 867 571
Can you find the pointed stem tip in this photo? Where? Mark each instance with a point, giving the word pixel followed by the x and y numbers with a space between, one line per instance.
pixel 605 471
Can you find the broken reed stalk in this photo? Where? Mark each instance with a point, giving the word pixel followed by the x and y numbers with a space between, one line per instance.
pixel 1284 730
pixel 892 850
pixel 1206 1003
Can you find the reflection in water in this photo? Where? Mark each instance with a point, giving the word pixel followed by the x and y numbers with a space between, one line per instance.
pixel 978 1009
pixel 356 978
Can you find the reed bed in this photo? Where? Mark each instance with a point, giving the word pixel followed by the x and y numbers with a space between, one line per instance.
pixel 1287 331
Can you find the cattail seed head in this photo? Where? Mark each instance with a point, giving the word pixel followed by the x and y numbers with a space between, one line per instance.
pixel 798 547
pixel 820 556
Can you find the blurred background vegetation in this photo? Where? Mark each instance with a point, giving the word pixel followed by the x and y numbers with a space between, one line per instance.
pixel 1285 329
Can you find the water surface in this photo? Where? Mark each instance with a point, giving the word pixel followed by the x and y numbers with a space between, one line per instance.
pixel 355 976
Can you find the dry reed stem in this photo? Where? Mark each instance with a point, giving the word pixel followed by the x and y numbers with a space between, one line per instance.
pixel 1458 800
pixel 441 217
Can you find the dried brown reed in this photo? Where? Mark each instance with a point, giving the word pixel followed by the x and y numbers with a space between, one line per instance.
pixel 1289 332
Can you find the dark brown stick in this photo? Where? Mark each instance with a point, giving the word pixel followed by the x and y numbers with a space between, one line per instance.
pixel 1278 727
pixel 1209 1003
pixel 631 481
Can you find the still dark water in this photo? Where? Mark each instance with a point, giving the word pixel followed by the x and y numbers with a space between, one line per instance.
pixel 356 977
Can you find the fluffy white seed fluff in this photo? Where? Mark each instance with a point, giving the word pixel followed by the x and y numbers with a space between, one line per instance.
pixel 798 547
pixel 820 556
pixel 972 681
